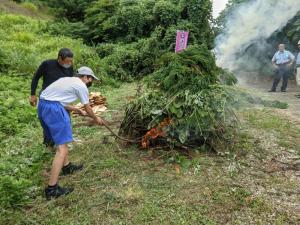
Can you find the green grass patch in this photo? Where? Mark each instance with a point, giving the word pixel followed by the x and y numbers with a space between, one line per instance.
pixel 267 120
pixel 244 98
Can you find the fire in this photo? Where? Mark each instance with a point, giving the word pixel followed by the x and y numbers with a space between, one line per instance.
pixel 155 132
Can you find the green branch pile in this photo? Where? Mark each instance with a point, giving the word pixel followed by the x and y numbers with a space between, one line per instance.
pixel 184 88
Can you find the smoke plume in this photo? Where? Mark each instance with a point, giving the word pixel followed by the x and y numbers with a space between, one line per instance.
pixel 247 30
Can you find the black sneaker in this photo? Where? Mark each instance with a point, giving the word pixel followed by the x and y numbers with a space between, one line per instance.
pixel 71 168
pixel 56 191
pixel 283 90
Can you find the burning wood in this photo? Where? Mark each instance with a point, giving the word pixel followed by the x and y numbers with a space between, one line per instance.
pixel 97 102
pixel 155 132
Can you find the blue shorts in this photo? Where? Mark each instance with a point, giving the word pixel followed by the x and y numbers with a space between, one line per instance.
pixel 55 121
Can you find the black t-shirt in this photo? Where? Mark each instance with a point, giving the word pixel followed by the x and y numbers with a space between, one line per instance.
pixel 51 71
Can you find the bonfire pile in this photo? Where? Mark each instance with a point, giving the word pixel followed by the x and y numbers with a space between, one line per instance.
pixel 184 105
pixel 97 102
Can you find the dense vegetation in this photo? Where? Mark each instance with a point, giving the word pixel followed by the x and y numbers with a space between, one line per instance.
pixel 24 45
pixel 130 35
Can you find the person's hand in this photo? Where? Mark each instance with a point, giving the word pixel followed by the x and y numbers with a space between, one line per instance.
pixel 290 65
pixel 33 100
pixel 82 112
pixel 100 121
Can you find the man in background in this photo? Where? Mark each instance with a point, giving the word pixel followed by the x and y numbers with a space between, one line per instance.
pixel 282 62
pixel 51 70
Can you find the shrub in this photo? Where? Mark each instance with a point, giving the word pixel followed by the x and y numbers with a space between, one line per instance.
pixel 20 166
pixel 13 191
pixel 72 10
pixel 25 44
pixel 32 7
pixel 75 30
pixel 127 21
pixel 130 61
pixel 165 13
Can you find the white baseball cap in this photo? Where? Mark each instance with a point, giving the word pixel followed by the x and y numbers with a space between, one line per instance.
pixel 84 70
pixel 299 42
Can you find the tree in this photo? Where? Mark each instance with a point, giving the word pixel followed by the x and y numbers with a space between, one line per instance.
pixel 73 10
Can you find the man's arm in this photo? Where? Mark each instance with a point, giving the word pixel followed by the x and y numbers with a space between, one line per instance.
pixel 34 83
pixel 274 61
pixel 74 109
pixel 88 112
pixel 91 114
pixel 274 64
pixel 292 58
pixel 83 94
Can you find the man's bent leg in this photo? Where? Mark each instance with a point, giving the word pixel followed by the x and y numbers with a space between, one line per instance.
pixel 58 163
pixel 70 168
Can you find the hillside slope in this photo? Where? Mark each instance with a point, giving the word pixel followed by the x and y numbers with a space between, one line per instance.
pixel 25 9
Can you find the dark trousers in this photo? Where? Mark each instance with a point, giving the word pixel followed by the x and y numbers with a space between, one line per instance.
pixel 282 72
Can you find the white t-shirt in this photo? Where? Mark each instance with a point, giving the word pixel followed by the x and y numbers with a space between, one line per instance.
pixel 66 90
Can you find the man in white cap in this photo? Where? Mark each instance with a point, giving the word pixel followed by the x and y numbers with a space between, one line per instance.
pixel 54 102
pixel 298 66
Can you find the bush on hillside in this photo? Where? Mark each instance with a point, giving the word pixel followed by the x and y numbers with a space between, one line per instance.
pixel 24 45
pixel 119 28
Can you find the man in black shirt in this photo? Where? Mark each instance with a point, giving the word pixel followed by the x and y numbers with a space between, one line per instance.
pixel 51 70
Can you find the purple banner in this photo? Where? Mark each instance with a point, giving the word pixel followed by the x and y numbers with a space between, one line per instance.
pixel 181 40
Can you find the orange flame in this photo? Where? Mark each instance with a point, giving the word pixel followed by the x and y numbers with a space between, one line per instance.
pixel 155 132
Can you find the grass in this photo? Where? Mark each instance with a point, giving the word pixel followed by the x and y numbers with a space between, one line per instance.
pixel 265 119
pixel 125 185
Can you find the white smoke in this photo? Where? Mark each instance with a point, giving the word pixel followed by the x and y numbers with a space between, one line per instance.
pixel 251 23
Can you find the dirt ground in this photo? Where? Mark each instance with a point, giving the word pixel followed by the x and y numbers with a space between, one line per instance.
pixel 261 89
pixel 277 176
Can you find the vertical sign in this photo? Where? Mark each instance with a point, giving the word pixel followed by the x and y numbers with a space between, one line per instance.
pixel 181 40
